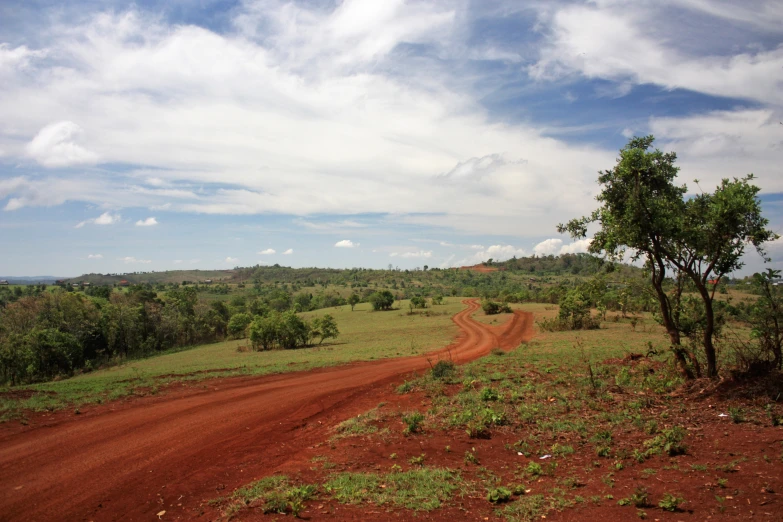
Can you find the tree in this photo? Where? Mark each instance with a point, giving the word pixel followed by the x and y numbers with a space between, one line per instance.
pixel 354 300
pixel 324 327
pixel 702 238
pixel 767 315
pixel 382 300
pixel 237 325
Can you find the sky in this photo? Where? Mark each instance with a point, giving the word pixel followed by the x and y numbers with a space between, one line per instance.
pixel 216 133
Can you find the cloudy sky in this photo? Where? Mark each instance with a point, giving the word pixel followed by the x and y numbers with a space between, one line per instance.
pixel 216 133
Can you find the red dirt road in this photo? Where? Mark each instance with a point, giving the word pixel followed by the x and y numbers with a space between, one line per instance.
pixel 175 453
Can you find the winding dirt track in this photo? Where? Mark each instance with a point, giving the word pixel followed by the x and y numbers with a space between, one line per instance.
pixel 132 463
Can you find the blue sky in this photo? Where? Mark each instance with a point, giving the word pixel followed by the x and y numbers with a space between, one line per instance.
pixel 215 133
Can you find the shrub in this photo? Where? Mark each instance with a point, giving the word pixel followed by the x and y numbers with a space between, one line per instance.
pixel 237 325
pixel 382 300
pixel 443 369
pixel 499 495
pixel 412 422
pixel 670 502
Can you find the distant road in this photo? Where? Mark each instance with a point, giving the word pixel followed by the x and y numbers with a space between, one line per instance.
pixel 176 452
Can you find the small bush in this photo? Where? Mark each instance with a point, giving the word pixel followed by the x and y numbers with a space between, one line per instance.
pixel 412 422
pixel 670 502
pixel 499 495
pixel 443 369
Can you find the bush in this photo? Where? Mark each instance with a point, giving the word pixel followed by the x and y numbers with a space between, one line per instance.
pixel 382 300
pixel 237 325
pixel 492 308
pixel 443 369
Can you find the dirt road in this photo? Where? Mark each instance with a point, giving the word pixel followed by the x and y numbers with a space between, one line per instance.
pixel 175 453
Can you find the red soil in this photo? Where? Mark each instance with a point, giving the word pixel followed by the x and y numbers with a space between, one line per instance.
pixel 482 268
pixel 134 459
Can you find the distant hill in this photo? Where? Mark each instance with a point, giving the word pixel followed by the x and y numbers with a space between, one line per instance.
pixel 31 280
pixel 170 276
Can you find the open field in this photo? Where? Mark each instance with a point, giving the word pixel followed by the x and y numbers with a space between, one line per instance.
pixel 570 426
pixel 364 336
pixel 175 452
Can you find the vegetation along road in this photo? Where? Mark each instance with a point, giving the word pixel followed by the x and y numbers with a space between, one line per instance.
pixel 174 453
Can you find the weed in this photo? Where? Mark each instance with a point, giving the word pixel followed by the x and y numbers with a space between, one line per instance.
pixel 534 469
pixel 640 497
pixel 641 514
pixel 670 502
pixel 276 493
pixel 526 509
pixel 421 489
pixel 722 482
pixel 498 495
pixel 470 458
pixel 737 415
pixel 418 461
pixel 669 441
pixel 412 421
pixel 488 394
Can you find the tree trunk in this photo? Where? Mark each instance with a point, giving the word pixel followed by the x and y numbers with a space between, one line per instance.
pixel 658 273
pixel 709 329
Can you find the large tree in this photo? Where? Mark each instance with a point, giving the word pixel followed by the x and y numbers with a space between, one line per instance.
pixel 701 238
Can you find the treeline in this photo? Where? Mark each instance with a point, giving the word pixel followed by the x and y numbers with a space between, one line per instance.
pixel 46 333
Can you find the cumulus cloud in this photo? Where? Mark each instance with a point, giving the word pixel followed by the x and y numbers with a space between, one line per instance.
pixel 107 218
pixel 231 260
pixel 579 246
pixel 56 145
pixel 346 243
pixel 149 222
pixel 548 247
pixel 94 256
pixel 414 254
pixel 288 252
pixel 267 252
pixel 494 252
pixel 132 260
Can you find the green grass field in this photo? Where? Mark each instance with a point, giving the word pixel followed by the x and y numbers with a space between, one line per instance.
pixel 364 335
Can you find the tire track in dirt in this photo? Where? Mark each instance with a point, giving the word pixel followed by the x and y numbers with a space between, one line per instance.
pixel 177 453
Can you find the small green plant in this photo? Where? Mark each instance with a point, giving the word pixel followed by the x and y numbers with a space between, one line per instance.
pixel 534 469
pixel 488 394
pixel 499 495
pixel 774 418
pixel 737 414
pixel 418 461
pixel 670 502
pixel 470 458
pixel 722 482
pixel 412 422
pixel 698 467
pixel 641 514
pixel 640 497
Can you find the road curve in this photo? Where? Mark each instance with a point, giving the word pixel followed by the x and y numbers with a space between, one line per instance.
pixel 132 463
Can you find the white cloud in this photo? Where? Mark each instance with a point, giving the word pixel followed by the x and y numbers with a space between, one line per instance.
pixel 627 133
pixel 579 246
pixel 267 252
pixel 107 218
pixel 94 256
pixel 613 40
pixel 177 261
pixel 346 243
pixel 149 222
pixel 416 254
pixel 548 247
pixel 494 252
pixel 132 260
pixel 231 260
pixel 56 146
pixel 288 252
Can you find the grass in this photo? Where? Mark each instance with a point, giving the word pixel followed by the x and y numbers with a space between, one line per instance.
pixel 364 336
pixel 422 489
